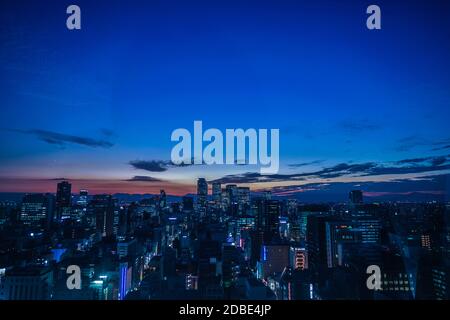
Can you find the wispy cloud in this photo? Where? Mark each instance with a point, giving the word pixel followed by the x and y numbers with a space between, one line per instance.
pixel 436 161
pixel 62 139
pixel 407 166
pixel 358 126
pixel 107 132
pixel 430 187
pixel 150 165
pixel 441 148
pixel 304 164
pixel 410 142
pixel 144 179
pixel 158 165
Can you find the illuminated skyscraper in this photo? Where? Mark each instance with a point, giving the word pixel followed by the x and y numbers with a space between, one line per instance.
pixel 267 218
pixel 217 192
pixel 63 200
pixel 232 193
pixel 202 191
pixel 37 209
pixel 103 209
pixel 243 195
pixel 83 198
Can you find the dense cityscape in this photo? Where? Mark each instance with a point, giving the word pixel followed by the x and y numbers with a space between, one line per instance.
pixel 225 242
pixel 201 159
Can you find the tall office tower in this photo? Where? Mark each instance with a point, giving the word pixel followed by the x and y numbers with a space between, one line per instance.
pixel 341 236
pixel 232 193
pixel 63 200
pixel 267 218
pixel 6 211
pixel 316 241
pixel 268 195
pixel 162 199
pixel 83 198
pixel 274 259
pixel 369 227
pixel 292 207
pixel 230 267
pixel 125 274
pixel 298 257
pixel 217 193
pixel 225 200
pixel 209 255
pixel 202 192
pixel 188 204
pixel 356 197
pixel 27 283
pixel 243 195
pixel 103 209
pixel 37 209
pixel 272 218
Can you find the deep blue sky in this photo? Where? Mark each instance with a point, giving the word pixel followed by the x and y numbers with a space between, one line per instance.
pixel 83 104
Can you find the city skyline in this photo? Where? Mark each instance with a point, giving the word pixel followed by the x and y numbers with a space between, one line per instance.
pixel 231 157
pixel 97 106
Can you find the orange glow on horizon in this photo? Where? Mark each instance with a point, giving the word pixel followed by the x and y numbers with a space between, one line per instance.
pixel 95 186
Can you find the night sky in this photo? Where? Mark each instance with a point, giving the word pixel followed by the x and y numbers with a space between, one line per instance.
pixel 97 106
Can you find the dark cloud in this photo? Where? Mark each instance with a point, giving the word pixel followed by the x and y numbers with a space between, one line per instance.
pixel 423 189
pixel 159 165
pixel 433 160
pixel 61 139
pixel 414 141
pixel 248 177
pixel 418 165
pixel 107 132
pixel 410 142
pixel 439 160
pixel 413 160
pixel 406 170
pixel 358 126
pixel 144 179
pixel 298 165
pixel 441 148
pixel 185 163
pixel 150 165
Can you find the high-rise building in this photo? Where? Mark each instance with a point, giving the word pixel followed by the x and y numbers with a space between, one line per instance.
pixel 217 193
pixel 27 283
pixel 267 214
pixel 243 195
pixel 231 190
pixel 202 191
pixel 37 209
pixel 103 210
pixel 162 199
pixel 298 257
pixel 125 275
pixel 188 203
pixel 230 266
pixel 63 200
pixel 317 241
pixel 356 197
pixel 274 259
pixel 83 198
pixel 340 235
